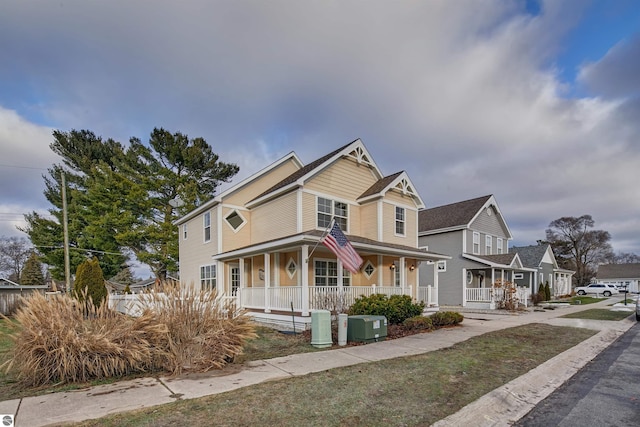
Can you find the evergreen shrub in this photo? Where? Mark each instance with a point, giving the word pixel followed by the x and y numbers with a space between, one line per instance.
pixel 396 308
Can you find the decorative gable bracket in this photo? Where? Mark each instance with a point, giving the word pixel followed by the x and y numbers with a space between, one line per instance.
pixel 406 188
pixel 360 155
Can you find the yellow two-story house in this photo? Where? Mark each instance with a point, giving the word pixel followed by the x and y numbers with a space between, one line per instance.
pixel 260 241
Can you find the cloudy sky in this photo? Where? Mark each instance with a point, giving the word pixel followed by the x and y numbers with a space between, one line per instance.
pixel 536 102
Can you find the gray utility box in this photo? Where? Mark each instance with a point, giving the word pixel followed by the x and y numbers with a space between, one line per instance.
pixel 365 328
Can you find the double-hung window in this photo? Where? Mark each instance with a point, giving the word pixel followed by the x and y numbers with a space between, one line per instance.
pixel 499 245
pixel 328 209
pixel 326 274
pixel 476 243
pixel 207 226
pixel 488 240
pixel 400 221
pixel 208 277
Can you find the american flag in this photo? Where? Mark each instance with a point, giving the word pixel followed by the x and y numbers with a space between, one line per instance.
pixel 339 245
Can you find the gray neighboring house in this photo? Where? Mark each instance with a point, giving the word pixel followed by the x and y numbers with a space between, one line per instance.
pixel 540 266
pixel 620 275
pixel 476 236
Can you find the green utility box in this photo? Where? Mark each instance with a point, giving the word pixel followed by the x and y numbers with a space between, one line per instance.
pixel 366 328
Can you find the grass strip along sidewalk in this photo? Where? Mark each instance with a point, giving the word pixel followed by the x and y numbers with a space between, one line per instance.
pixel 409 391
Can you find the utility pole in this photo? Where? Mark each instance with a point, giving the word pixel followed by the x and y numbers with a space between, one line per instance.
pixel 67 268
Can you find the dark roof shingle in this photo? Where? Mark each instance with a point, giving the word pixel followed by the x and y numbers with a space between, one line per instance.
pixel 453 215
pixel 531 256
pixel 619 271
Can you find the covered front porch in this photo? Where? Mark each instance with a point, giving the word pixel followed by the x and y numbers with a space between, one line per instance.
pixel 491 282
pixel 283 284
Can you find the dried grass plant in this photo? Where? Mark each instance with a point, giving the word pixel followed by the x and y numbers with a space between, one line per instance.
pixel 205 330
pixel 60 340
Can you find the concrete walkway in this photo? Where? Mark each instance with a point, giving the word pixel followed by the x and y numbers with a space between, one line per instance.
pixel 500 407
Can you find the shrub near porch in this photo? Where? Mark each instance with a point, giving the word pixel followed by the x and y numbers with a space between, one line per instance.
pixel 396 308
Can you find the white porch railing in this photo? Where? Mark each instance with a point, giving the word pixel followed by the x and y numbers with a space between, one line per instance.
pixel 479 294
pixel 322 297
pixel 489 295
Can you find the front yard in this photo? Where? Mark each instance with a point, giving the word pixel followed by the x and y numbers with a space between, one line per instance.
pixel 411 391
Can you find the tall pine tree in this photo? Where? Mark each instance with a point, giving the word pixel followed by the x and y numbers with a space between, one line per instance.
pixel 32 274
pixel 120 198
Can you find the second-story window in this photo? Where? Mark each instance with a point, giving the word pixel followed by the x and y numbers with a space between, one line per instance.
pixel 207 226
pixel 488 244
pixel 328 209
pixel 476 242
pixel 400 221
pixel 499 245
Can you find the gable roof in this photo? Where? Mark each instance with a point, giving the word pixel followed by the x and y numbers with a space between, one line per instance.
pixel 218 198
pixel 456 215
pixel 531 256
pixel 400 181
pixel 619 271
pixel 510 260
pixel 297 178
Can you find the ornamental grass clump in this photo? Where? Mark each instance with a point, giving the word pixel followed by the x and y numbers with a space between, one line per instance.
pixel 60 340
pixel 205 330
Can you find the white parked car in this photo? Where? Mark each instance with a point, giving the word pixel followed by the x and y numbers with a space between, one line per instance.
pixel 597 288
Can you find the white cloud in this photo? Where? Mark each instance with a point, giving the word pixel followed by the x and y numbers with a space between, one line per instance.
pixel 462 95
pixel 24 157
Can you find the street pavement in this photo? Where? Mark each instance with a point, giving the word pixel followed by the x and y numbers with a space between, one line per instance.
pixel 501 407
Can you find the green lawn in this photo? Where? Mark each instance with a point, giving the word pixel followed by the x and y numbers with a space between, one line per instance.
pixel 599 314
pixel 581 300
pixel 410 391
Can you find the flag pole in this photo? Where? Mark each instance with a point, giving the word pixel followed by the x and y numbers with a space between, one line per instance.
pixel 324 233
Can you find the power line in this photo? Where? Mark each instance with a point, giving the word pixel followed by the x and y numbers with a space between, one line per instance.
pixel 82 249
pixel 22 167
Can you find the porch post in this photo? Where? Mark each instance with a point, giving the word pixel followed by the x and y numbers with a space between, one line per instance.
pixel 267 282
pixel 305 279
pixel 403 274
pixel 464 286
pixel 276 273
pixel 435 294
pixel 241 284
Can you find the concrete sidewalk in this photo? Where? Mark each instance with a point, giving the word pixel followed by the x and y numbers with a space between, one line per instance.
pixel 500 407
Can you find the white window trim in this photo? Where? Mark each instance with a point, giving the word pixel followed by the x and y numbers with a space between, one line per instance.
pixel 333 211
pixel 244 220
pixel 295 269
pixel 364 269
pixel 517 276
pixel 213 279
pixel 204 227
pixel 476 241
pixel 499 245
pixel 403 221
pixel 442 269
pixel 346 275
pixel 488 245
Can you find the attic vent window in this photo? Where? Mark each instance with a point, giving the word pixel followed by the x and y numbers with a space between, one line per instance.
pixel 369 269
pixel 489 210
pixel 291 268
pixel 235 220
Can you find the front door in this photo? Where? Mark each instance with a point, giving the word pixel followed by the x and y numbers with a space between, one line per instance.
pixel 234 278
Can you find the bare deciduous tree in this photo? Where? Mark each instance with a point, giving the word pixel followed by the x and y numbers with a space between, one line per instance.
pixel 577 247
pixel 14 252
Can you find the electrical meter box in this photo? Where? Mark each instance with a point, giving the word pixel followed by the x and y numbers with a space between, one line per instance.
pixel 366 328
